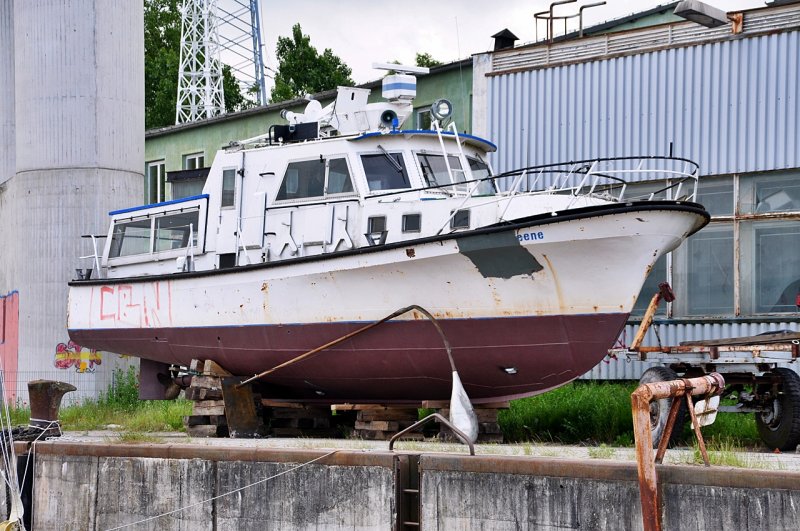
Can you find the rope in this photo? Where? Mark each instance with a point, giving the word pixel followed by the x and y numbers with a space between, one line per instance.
pixel 224 494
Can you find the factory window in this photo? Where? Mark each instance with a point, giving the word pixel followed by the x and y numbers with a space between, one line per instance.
pixel 156 183
pixel 704 272
pixel 745 262
pixel 193 161
pixel 424 120
pixel 228 188
pixel 385 171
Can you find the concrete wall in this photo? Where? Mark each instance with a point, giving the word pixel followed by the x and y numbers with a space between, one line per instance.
pixel 344 491
pixel 7 148
pixel 362 490
pixel 78 70
pixel 543 494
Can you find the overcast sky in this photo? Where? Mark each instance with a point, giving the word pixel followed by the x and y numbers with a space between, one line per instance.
pixel 361 32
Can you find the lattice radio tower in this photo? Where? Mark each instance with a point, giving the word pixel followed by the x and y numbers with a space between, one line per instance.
pixel 213 31
pixel 200 93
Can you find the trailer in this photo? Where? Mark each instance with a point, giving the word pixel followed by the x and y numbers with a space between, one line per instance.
pixel 759 371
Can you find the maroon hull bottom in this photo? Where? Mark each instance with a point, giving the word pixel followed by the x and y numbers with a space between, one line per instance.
pixel 399 361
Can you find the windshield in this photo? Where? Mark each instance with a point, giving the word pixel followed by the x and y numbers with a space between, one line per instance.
pixel 480 170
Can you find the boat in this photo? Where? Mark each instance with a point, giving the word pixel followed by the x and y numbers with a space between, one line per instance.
pixel 338 218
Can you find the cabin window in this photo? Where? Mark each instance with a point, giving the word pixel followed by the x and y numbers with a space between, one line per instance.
pixel 385 171
pixel 480 170
pixel 130 238
pixel 412 222
pixel 173 232
pixel 228 188
pixel 302 180
pixel 460 219
pixel 434 169
pixel 376 224
pixel 339 177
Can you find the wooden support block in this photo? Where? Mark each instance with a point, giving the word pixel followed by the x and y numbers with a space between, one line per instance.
pixel 378 425
pixel 211 368
pixel 206 382
pixel 389 414
pixel 209 407
pixel 202 393
pixel 196 366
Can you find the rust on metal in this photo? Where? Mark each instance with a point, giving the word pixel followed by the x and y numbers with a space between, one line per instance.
pixel 708 385
pixel 240 410
pixel 45 396
pixel 664 293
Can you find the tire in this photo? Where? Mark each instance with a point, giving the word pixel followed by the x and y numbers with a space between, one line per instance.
pixel 780 427
pixel 659 409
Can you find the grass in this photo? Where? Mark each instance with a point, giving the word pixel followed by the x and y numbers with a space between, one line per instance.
pixel 120 407
pixel 578 413
pixel 597 414
pixel 601 452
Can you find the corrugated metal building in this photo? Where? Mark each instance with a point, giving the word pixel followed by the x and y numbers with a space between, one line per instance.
pixel 730 102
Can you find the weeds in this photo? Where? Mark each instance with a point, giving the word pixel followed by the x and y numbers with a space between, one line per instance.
pixel 601 452
pixel 128 437
pixel 600 413
pixel 722 452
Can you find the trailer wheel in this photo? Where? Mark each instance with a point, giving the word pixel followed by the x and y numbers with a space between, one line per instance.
pixel 780 426
pixel 659 409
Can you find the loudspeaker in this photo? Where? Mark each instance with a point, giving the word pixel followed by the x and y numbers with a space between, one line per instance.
pixel 388 117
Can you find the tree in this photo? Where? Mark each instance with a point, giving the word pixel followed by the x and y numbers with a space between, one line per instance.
pixel 302 70
pixel 162 44
pixel 162 40
pixel 425 59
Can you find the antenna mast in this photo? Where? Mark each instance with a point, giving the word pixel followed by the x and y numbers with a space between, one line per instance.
pixel 200 93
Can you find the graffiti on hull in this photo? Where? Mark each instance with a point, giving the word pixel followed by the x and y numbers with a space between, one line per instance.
pixel 70 354
pixel 140 305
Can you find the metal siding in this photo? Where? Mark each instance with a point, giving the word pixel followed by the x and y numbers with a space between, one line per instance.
pixel 732 106
pixel 674 334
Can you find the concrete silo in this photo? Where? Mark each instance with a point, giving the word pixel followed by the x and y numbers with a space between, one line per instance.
pixel 78 97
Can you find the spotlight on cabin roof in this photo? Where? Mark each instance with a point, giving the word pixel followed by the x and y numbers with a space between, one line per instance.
pixel 701 13
pixel 504 39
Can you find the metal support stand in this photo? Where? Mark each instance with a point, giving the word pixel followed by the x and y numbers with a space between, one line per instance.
pixel 460 434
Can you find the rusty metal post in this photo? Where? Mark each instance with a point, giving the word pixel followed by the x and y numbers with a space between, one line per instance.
pixel 640 401
pixel 45 398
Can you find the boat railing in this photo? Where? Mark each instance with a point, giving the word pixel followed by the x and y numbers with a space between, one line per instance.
pixel 95 256
pixel 607 177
